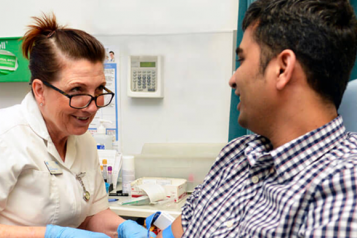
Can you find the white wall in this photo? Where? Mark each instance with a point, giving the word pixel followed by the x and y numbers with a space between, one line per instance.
pixel 195 39
pixel 123 16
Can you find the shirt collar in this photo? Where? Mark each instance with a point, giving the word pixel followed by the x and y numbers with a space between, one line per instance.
pixel 296 155
pixel 257 149
pixel 292 157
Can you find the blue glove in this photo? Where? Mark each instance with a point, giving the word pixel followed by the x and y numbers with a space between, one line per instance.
pixel 167 233
pixel 131 229
pixel 53 231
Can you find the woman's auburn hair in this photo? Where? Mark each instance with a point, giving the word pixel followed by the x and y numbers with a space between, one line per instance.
pixel 48 46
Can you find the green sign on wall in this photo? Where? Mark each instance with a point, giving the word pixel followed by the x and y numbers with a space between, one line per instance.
pixel 13 66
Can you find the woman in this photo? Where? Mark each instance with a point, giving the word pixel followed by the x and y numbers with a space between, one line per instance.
pixel 50 176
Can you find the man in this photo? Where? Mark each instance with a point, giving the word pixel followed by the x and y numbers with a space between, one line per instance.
pixel 112 58
pixel 297 177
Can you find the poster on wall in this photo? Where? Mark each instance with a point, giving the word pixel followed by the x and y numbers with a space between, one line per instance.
pixel 109 114
pixel 13 66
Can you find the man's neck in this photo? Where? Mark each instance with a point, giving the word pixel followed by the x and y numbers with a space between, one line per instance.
pixel 293 124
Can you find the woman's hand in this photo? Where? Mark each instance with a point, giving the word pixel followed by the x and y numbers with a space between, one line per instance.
pixel 131 229
pixel 53 231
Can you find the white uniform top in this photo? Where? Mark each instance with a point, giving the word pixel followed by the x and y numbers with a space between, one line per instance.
pixel 29 194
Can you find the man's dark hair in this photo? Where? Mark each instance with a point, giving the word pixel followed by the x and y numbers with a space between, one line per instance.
pixel 321 33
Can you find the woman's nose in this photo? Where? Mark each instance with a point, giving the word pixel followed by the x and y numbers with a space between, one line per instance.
pixel 92 106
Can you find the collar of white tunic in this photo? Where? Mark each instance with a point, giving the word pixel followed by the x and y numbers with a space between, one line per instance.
pixel 34 117
pixel 37 123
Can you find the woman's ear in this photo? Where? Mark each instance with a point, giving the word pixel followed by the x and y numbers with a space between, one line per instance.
pixel 286 62
pixel 38 91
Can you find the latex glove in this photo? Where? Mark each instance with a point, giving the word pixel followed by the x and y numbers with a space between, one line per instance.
pixel 167 233
pixel 53 231
pixel 131 229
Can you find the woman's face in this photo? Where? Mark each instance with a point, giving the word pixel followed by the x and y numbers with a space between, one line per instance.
pixel 77 77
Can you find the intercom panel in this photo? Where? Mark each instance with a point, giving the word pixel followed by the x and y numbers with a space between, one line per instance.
pixel 145 77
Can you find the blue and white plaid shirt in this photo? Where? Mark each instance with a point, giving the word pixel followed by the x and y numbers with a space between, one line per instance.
pixel 304 188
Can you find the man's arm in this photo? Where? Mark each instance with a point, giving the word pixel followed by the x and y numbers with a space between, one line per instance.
pixel 176 228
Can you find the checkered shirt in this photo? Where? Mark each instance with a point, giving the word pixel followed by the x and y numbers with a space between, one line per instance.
pixel 304 188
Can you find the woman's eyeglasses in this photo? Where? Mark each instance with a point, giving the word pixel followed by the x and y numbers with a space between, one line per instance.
pixel 80 101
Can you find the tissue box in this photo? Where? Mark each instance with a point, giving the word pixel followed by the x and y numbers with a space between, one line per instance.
pixel 176 188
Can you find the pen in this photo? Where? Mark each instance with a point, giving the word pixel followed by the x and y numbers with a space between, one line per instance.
pixel 113 199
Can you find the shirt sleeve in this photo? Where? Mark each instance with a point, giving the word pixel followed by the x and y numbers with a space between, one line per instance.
pixel 333 209
pixel 189 207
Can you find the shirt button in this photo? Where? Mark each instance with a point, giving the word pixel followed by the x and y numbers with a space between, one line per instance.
pixel 229 224
pixel 272 170
pixel 255 179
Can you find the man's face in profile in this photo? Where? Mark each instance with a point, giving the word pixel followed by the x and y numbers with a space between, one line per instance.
pixel 253 87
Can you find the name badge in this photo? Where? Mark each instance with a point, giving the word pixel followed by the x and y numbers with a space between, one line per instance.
pixel 53 167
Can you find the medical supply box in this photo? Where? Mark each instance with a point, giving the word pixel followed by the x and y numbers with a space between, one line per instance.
pixel 174 187
pixel 189 161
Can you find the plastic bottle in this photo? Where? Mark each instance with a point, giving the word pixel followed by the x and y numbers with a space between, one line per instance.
pixel 103 140
pixel 128 173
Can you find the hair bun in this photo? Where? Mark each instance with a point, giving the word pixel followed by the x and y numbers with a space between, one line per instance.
pixel 44 26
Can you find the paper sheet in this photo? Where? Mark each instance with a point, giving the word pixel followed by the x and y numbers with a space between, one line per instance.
pixel 154 191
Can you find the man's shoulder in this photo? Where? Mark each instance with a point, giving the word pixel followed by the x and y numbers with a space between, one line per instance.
pixel 352 137
pixel 235 147
pixel 341 158
pixel 239 142
pixel 350 148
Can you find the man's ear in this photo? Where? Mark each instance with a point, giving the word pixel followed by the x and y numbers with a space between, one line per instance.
pixel 286 62
pixel 38 90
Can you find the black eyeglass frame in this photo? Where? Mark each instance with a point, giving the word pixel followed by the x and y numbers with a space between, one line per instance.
pixel 92 98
